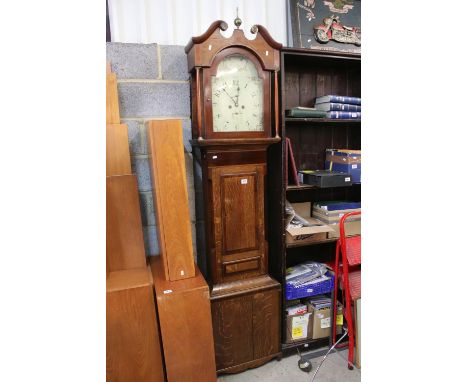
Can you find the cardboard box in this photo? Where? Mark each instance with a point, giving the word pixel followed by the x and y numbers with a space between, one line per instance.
pixel 344 161
pixel 321 321
pixel 351 229
pixel 357 325
pixel 311 234
pixel 339 318
pixel 298 327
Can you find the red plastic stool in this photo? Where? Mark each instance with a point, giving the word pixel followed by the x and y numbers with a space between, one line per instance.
pixel 348 276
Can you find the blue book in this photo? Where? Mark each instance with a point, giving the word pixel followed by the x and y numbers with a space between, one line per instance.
pixel 338 99
pixel 329 106
pixel 344 114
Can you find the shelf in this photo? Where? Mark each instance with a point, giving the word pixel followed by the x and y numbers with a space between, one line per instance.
pixel 312 343
pixel 321 121
pixel 322 55
pixel 296 245
pixel 303 186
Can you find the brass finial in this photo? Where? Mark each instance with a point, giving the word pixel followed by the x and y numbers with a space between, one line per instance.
pixel 237 20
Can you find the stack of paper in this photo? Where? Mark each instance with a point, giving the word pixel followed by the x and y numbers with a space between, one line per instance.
pixel 306 273
pixel 331 212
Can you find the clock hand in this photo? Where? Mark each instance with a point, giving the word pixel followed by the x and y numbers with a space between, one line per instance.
pixel 235 103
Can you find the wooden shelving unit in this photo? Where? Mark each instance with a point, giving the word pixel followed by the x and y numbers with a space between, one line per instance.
pixel 302 186
pixel 321 121
pixel 296 245
pixel 306 75
pixel 306 344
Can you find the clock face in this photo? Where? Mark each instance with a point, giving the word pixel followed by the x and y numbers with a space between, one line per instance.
pixel 237 96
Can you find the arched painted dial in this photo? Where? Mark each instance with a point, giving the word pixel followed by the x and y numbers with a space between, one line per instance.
pixel 237 96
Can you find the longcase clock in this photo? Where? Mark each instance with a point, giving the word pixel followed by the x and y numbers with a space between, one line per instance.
pixel 234 93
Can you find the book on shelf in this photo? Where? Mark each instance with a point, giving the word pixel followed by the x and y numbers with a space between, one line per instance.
pixel 291 170
pixel 344 114
pixel 305 112
pixel 331 106
pixel 338 99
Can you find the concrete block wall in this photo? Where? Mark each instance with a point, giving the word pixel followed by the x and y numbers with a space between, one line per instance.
pixel 153 83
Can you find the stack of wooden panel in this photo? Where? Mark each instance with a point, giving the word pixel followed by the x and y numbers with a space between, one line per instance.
pixel 183 301
pixel 133 342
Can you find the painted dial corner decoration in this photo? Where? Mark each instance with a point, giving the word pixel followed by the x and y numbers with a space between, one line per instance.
pixel 237 96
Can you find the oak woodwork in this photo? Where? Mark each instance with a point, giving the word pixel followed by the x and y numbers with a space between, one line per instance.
pixel 266 321
pixel 167 164
pixel 112 98
pixel 124 235
pixel 240 287
pixel 230 177
pixel 238 213
pixel 185 322
pixel 239 341
pixel 117 150
pixel 133 344
pixel 232 332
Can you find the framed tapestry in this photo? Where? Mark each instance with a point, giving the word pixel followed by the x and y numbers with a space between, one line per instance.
pixel 333 25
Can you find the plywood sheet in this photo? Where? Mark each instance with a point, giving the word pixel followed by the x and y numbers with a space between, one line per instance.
pixel 124 240
pixel 167 165
pixel 185 324
pixel 112 98
pixel 133 344
pixel 117 150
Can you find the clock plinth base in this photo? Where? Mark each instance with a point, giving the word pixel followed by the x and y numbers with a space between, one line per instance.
pixel 246 323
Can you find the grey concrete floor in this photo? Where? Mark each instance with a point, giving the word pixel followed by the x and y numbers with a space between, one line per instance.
pixel 334 369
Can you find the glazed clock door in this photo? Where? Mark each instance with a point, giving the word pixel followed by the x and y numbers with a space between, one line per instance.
pixel 237 96
pixel 238 221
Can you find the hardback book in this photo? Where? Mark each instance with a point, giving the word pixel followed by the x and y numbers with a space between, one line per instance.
pixel 338 99
pixel 344 114
pixel 291 170
pixel 330 106
pixel 305 112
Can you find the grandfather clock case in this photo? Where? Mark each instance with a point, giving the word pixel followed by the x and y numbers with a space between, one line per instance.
pixel 235 122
